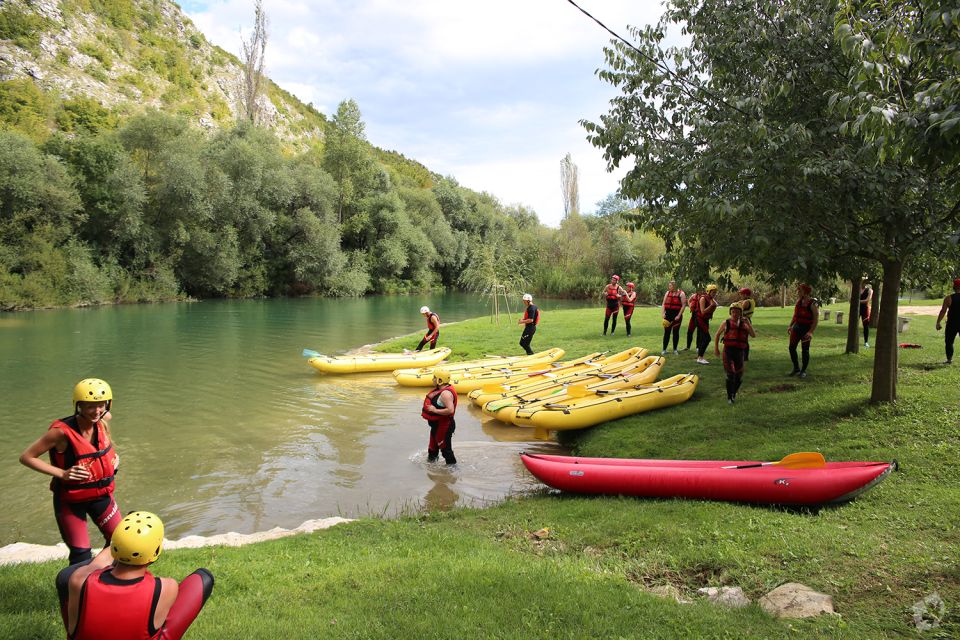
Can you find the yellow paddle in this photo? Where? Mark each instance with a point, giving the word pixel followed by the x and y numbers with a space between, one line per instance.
pixel 803 460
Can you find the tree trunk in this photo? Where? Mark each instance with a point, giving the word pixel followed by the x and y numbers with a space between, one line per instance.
pixel 885 357
pixel 877 295
pixel 853 319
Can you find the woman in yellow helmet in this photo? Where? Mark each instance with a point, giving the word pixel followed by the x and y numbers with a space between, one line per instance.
pixel 83 464
pixel 439 407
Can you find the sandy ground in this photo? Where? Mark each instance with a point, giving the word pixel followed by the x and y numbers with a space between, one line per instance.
pixel 931 310
pixel 26 552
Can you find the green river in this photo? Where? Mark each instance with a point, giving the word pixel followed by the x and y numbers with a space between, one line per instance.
pixel 221 426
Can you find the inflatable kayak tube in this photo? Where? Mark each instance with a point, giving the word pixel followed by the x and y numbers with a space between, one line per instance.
pixel 580 413
pixel 377 361
pixel 837 482
pixel 423 376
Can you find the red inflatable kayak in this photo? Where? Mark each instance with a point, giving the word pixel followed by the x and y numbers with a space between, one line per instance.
pixel 708 480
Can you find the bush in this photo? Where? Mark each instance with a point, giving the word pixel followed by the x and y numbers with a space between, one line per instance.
pixel 24 28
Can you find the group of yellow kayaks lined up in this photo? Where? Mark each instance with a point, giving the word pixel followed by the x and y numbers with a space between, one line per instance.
pixel 537 390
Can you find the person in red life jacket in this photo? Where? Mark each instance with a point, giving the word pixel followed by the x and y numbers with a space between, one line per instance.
pixel 735 333
pixel 530 320
pixel 628 301
pixel 806 315
pixel 115 596
pixel 439 407
pixel 706 305
pixel 433 329
pixel 694 303
pixel 674 301
pixel 83 464
pixel 612 294
pixel 951 309
pixel 748 305
pixel 866 302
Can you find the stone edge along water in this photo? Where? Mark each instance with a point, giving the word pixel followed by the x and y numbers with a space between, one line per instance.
pixel 26 552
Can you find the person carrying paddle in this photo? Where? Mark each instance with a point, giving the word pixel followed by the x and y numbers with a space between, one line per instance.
pixel 950 308
pixel 628 301
pixel 433 328
pixel 806 315
pixel 735 333
pixel 115 596
pixel 694 303
pixel 866 299
pixel 612 294
pixel 439 407
pixel 674 301
pixel 83 464
pixel 706 305
pixel 530 320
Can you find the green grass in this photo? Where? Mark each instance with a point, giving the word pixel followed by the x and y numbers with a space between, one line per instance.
pixel 478 573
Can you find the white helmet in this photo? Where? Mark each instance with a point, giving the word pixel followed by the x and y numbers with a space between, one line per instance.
pixel 527 297
pixel 424 309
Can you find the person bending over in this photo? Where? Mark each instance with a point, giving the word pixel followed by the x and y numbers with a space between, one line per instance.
pixel 433 329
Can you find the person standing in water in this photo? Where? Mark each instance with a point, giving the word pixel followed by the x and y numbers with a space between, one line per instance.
pixel 612 294
pixel 530 320
pixel 674 301
pixel 439 407
pixel 951 309
pixel 83 464
pixel 433 328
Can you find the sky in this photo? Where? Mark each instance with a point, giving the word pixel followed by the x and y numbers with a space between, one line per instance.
pixel 490 92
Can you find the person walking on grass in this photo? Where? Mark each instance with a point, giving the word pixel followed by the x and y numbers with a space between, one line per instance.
pixel 674 301
pixel 866 300
pixel 806 315
pixel 706 305
pixel 530 320
pixel 950 308
pixel 748 305
pixel 629 301
pixel 115 595
pixel 694 303
pixel 83 464
pixel 735 333
pixel 439 407
pixel 612 294
pixel 433 328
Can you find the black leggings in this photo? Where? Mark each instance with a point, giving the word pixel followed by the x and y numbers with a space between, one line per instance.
pixel 527 337
pixel 674 329
pixel 703 340
pixel 800 330
pixel 949 336
pixel 433 342
pixel 613 309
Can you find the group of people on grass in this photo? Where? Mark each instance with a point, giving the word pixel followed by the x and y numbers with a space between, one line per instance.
pixel 112 595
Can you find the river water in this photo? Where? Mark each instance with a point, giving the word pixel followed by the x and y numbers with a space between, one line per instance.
pixel 221 426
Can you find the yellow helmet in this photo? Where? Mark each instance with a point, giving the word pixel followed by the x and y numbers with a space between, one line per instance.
pixel 666 323
pixel 138 539
pixel 92 390
pixel 441 376
pixel 711 287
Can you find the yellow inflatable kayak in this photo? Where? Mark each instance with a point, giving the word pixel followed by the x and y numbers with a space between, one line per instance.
pixel 423 376
pixel 631 360
pixel 593 409
pixel 377 361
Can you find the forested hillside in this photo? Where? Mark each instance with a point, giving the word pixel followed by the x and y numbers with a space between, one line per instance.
pixel 126 174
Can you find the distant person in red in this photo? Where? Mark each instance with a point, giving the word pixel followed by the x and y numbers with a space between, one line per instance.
pixel 706 305
pixel 530 320
pixel 950 308
pixel 735 333
pixel 433 328
pixel 114 596
pixel 806 315
pixel 694 303
pixel 866 302
pixel 612 294
pixel 674 301
pixel 628 300
pixel 439 407
pixel 83 464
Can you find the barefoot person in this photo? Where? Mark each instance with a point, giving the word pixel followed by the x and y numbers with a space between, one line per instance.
pixel 433 328
pixel 439 407
pixel 83 464
pixel 735 333
pixel 530 320
pixel 806 315
pixel 674 300
pixel 115 596
pixel 951 309
pixel 612 294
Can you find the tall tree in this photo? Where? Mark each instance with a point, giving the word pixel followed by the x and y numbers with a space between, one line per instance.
pixel 252 55
pixel 346 158
pixel 570 185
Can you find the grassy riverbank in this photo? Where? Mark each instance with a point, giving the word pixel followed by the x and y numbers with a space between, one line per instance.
pixel 480 573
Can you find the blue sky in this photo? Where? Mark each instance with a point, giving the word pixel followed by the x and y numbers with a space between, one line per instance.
pixel 488 91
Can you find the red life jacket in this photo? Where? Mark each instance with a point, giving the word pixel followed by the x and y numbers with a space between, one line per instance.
pixel 117 609
pixel 433 398
pixel 672 300
pixel 735 336
pixel 613 292
pixel 711 307
pixel 100 462
pixel 433 322
pixel 536 315
pixel 694 303
pixel 629 300
pixel 802 314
